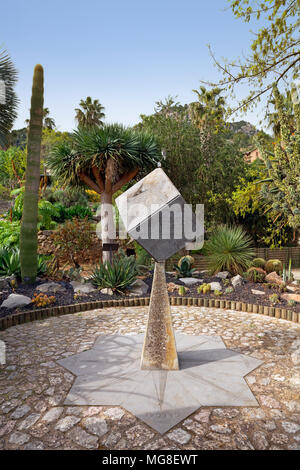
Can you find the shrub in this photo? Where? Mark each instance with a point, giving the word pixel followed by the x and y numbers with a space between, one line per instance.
pixel 256 274
pixel 9 233
pixel 258 263
pixel 72 238
pixel 92 195
pixel 67 197
pixel 229 249
pixel 273 265
pixel 184 267
pixel 291 303
pixel 47 212
pixel 117 275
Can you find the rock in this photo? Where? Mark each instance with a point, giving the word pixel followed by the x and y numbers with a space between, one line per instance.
pixel 67 423
pixel 215 286
pixel 292 288
pixel 84 288
pixel 19 438
pixel 36 445
pixel 237 281
pixel 190 281
pixel 95 425
pixel 172 287
pixel 20 411
pixel 51 287
pixel 222 275
pixel 53 414
pixel 290 427
pixel 180 436
pixel 257 292
pixel 107 291
pixel 295 297
pixel 138 287
pixel 82 438
pixel 274 278
pixel 15 300
pixel 114 413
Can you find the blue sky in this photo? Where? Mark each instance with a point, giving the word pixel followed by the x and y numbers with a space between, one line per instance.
pixel 126 53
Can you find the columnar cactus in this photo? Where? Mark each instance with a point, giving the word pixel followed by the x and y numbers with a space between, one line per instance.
pixel 282 188
pixel 28 236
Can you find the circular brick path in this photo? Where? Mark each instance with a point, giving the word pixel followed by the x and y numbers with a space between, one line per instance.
pixel 33 386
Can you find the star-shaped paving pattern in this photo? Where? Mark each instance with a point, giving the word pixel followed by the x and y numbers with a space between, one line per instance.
pixel 210 375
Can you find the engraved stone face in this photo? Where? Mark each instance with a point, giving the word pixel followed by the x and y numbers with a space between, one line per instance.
pixel 155 214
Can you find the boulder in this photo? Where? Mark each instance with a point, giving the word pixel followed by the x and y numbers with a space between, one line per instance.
pixel 84 288
pixel 138 287
pixel 295 297
pixel 237 281
pixel 190 281
pixel 51 287
pixel 215 286
pixel 295 356
pixel 274 278
pixel 222 275
pixel 15 300
pixel 257 292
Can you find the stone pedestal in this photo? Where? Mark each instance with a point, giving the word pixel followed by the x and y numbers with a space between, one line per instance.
pixel 159 349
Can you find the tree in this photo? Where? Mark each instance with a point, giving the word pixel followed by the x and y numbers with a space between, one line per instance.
pixel 281 190
pixel 275 54
pixel 104 159
pixel 201 161
pixel 8 99
pixel 48 122
pixel 91 113
pixel 28 236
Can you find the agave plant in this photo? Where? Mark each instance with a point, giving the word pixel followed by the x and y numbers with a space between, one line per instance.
pixel 117 275
pixel 10 262
pixel 184 267
pixel 229 249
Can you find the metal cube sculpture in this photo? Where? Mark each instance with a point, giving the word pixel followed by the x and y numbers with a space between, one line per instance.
pixel 155 214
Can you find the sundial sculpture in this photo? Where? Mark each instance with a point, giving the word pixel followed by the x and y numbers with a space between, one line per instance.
pixel 158 391
pixel 154 214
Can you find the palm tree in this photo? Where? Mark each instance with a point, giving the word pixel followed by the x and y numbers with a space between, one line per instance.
pixel 91 113
pixel 8 99
pixel 48 122
pixel 103 158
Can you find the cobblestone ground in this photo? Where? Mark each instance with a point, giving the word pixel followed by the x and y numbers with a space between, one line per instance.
pixel 33 386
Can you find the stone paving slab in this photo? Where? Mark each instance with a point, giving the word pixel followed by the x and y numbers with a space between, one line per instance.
pixel 209 375
pixel 33 386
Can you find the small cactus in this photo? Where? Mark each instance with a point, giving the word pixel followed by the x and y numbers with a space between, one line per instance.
pixel 217 293
pixel 229 290
pixel 258 263
pixel 273 265
pixel 274 299
pixel 181 290
pixel 291 303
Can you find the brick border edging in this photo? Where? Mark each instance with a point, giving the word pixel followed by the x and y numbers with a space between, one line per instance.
pixel 41 314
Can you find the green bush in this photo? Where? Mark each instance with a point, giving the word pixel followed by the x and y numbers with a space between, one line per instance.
pixel 256 274
pixel 67 198
pixel 117 275
pixel 273 265
pixel 258 263
pixel 229 249
pixel 68 213
pixel 9 233
pixel 184 267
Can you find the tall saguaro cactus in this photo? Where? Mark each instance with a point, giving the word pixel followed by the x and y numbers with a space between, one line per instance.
pixel 28 237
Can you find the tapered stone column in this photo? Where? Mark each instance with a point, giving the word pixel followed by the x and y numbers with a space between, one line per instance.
pixel 159 350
